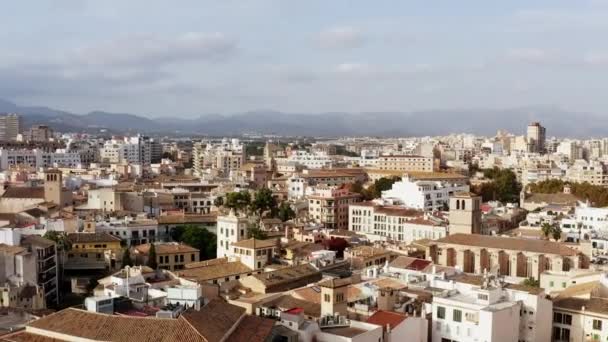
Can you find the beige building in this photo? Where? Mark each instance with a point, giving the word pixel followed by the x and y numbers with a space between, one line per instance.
pixel 216 271
pixel 536 136
pixel 39 133
pixel 334 298
pixel 283 279
pixel 329 206
pixel 254 253
pixel 594 173
pixel 361 257
pixel 169 255
pixel 514 257
pixel 465 213
pixel 10 127
pixel 406 163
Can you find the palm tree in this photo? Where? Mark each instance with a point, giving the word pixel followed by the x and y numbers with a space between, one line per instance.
pixel 547 229
pixel 556 233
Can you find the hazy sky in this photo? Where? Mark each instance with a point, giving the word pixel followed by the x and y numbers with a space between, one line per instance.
pixel 188 58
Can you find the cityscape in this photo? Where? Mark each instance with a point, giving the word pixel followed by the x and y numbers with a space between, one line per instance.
pixel 361 211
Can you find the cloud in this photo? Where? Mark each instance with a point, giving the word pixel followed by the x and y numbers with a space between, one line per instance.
pixel 528 55
pixel 344 37
pixel 122 65
pixel 155 50
pixel 596 59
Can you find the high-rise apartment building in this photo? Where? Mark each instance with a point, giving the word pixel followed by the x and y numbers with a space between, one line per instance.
pixel 536 137
pixel 10 126
pixel 39 133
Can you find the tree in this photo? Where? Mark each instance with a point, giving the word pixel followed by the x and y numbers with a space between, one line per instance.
pixel 384 184
pixel 357 187
pixel 556 233
pixel 152 263
pixel 60 239
pixel 126 258
pixel 197 237
pixel 264 201
pixel 531 282
pixel 502 187
pixel 553 231
pixel 286 213
pixel 218 201
pixel 338 245
pixel 375 190
pixel 547 229
pixel 257 233
pixel 238 200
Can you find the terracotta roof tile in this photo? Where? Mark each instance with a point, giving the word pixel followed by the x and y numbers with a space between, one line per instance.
pixel 92 237
pixel 255 243
pixel 384 318
pixel 214 271
pixel 252 329
pixel 515 244
pixel 24 192
pixel 215 320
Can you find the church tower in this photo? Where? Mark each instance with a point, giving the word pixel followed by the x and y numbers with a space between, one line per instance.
pixel 465 213
pixel 53 184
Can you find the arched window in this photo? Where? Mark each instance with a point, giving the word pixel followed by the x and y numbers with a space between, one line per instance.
pixel 457 204
pixel 463 204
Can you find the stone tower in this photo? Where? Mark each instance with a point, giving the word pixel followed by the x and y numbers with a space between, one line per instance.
pixel 333 297
pixel 387 298
pixel 465 213
pixel 53 183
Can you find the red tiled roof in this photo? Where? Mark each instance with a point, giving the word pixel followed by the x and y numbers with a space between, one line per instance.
pixel 383 318
pixel 252 329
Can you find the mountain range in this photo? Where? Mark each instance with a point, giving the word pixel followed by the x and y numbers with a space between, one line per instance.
pixel 418 123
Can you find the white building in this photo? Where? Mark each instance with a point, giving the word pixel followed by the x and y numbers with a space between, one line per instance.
pixel 590 218
pixel 592 172
pixel 396 223
pixel 471 308
pixel 129 150
pixel 38 158
pixel 425 195
pixel 309 160
pixel 230 229
pixel 132 231
pixel 227 156
pixel 583 317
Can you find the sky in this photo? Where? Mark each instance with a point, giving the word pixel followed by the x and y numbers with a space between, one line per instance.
pixel 189 58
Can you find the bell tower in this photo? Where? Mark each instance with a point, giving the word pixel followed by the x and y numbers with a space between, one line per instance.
pixel 53 183
pixel 465 213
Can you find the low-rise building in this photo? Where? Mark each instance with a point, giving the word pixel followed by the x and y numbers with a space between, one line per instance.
pixel 514 257
pixel 93 251
pixel 425 195
pixel 396 223
pixel 475 308
pixel 329 206
pixel 254 253
pixel 406 163
pixel 169 255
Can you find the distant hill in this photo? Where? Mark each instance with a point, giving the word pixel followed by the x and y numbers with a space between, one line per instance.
pixel 420 123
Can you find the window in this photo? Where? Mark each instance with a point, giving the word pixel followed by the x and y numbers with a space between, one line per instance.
pixel 551 284
pixel 440 312
pixel 457 316
pixel 597 324
pixel 339 298
pixel 326 298
pixel 562 318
